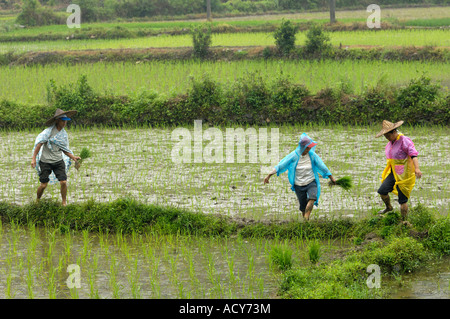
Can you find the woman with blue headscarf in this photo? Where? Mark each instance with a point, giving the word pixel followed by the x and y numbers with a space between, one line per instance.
pixel 304 166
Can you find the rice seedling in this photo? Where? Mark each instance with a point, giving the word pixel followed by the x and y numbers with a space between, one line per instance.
pixel 281 257
pixel 133 279
pixel 51 283
pixel 115 286
pixel 84 154
pixel 314 251
pixel 30 283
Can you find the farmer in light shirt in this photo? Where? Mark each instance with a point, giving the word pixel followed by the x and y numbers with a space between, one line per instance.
pixel 51 154
pixel 304 166
pixel 402 168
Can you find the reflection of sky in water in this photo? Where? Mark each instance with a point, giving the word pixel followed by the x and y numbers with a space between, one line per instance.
pixel 139 163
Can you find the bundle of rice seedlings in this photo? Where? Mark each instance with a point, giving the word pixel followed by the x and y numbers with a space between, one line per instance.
pixel 85 153
pixel 345 182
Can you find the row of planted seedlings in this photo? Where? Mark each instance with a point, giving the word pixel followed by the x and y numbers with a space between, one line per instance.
pixel 29 84
pixel 38 262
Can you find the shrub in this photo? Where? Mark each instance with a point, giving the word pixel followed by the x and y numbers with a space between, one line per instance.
pixel 400 255
pixel 285 37
pixel 201 39
pixel 79 95
pixel 439 236
pixel 421 217
pixel 204 95
pixel 317 42
pixel 33 14
pixel 418 98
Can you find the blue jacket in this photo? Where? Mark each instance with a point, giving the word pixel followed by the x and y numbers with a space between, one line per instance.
pixel 290 162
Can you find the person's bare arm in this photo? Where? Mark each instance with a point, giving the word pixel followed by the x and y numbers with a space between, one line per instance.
pixel 416 165
pixel 71 156
pixel 36 151
pixel 273 172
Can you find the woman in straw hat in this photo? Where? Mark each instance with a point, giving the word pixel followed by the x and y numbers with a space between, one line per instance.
pixel 304 166
pixel 51 153
pixel 402 168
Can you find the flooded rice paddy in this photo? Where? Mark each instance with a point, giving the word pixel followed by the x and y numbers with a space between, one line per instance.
pixel 140 163
pixel 35 263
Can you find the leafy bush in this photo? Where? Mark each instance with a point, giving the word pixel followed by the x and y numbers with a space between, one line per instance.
pixel 79 95
pixel 421 217
pixel 418 98
pixel 439 236
pixel 201 40
pixel 400 255
pixel 285 37
pixel 317 42
pixel 33 14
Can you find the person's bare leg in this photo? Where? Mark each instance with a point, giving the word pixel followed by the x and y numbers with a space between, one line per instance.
pixel 40 191
pixel 387 201
pixel 63 192
pixel 309 208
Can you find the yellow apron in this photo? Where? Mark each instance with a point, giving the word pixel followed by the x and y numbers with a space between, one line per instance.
pixel 404 175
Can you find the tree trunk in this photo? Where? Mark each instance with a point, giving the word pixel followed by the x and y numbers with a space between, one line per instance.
pixel 208 10
pixel 332 11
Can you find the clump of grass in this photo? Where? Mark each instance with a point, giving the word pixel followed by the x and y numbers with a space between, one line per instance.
pixel 314 252
pixel 421 217
pixel 282 257
pixel 345 183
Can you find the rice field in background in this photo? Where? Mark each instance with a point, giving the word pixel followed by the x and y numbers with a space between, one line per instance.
pixel 380 38
pixel 139 163
pixel 407 16
pixel 28 84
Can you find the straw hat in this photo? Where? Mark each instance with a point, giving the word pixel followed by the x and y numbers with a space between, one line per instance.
pixel 388 126
pixel 60 114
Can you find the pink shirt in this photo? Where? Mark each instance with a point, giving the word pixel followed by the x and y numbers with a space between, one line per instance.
pixel 401 148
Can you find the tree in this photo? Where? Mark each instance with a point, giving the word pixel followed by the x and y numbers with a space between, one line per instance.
pixel 317 42
pixel 208 10
pixel 285 37
pixel 34 14
pixel 201 38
